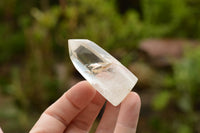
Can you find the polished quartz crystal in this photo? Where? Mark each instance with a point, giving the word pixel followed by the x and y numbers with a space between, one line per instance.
pixel 107 75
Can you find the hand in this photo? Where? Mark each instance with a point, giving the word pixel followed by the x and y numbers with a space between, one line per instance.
pixel 76 110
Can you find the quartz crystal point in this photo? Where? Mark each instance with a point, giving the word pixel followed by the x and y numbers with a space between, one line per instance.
pixel 107 75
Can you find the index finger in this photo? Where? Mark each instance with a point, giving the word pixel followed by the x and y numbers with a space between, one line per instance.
pixel 128 114
pixel 56 118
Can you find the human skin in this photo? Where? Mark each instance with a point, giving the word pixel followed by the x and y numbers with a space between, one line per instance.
pixel 76 110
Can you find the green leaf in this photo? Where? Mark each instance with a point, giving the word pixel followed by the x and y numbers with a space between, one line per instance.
pixel 161 100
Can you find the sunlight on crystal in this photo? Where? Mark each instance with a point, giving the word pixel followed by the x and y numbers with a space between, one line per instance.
pixel 107 75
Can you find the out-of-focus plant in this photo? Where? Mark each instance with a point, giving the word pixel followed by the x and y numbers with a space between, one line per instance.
pixel 7 39
pixel 102 24
pixel 186 74
pixel 178 104
pixel 164 18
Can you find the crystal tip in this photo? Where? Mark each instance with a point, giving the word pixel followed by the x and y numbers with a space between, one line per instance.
pixel 72 41
pixel 75 43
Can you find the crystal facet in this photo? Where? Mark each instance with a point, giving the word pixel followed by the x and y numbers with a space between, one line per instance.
pixel 107 75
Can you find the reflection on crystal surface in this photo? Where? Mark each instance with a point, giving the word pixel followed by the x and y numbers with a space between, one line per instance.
pixel 107 75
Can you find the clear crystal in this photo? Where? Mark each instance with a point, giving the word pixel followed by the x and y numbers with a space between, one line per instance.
pixel 107 75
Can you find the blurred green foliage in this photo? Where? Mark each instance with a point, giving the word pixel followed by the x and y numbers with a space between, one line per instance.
pixel 35 68
pixel 180 97
pixel 163 18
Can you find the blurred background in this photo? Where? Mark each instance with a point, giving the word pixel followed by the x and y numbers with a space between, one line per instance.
pixel 158 40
